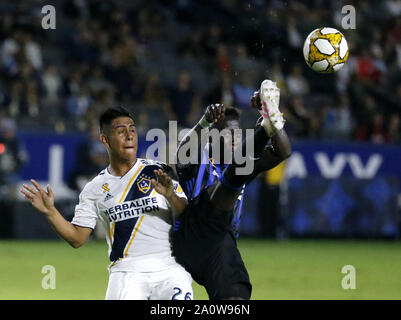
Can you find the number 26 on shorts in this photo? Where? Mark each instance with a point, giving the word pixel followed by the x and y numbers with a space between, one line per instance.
pixel 179 292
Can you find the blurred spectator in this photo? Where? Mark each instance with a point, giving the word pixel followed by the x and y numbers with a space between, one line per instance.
pixel 155 95
pixel 394 128
pixel 182 97
pixel 294 37
pixel 192 45
pixel 9 51
pixel 242 90
pixel 244 64
pixel 227 97
pixel 32 99
pixel 397 98
pixel 393 36
pixel 73 82
pixel 156 108
pixel 92 158
pixel 367 71
pixel 337 121
pixel 16 99
pixel 223 58
pixel 97 82
pixel 366 112
pixel 105 55
pixel 243 80
pixel 345 122
pixel 344 78
pixel 377 130
pixel 32 50
pixel 277 75
pixel 269 192
pixel 77 104
pixel 12 157
pixel 52 84
pixel 212 39
pixel 393 7
pixel 299 118
pixel 296 82
pixel 222 92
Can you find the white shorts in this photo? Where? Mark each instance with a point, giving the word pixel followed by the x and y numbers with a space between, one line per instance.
pixel 171 284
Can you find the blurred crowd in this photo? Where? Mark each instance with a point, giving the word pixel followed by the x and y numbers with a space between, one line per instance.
pixel 167 60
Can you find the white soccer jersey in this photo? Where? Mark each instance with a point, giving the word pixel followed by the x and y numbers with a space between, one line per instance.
pixel 137 219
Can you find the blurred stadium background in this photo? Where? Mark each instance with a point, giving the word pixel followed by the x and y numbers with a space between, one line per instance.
pixel 167 60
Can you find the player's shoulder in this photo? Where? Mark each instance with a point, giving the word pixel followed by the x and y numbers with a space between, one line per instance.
pixel 95 183
pixel 102 175
pixel 155 164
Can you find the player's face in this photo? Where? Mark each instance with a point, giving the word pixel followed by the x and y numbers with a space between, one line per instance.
pixel 122 139
pixel 233 135
pixel 230 136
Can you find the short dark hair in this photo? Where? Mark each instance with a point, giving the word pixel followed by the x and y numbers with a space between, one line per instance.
pixel 232 112
pixel 110 114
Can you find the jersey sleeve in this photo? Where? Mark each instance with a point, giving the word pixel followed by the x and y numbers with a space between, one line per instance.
pixel 188 171
pixel 86 210
pixel 178 190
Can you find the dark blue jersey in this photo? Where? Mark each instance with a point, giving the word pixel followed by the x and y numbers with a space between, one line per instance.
pixel 193 178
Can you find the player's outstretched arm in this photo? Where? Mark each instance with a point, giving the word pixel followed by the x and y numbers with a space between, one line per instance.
pixel 279 151
pixel 213 114
pixel 43 201
pixel 164 186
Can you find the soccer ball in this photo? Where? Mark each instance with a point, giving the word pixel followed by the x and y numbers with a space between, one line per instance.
pixel 325 50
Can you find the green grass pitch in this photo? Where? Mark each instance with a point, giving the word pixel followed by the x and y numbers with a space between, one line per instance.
pixel 293 269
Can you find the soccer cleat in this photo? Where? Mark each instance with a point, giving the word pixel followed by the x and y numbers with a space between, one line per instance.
pixel 270 98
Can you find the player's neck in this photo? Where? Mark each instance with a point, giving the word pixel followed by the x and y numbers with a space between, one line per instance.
pixel 119 167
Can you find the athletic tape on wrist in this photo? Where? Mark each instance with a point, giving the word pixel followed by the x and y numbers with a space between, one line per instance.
pixel 204 123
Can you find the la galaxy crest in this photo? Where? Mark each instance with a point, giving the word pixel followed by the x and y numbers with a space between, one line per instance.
pixel 144 184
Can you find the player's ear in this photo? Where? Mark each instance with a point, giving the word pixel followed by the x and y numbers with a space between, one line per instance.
pixel 104 140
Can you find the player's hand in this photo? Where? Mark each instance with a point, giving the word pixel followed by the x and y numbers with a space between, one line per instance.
pixel 215 112
pixel 40 199
pixel 255 100
pixel 164 184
